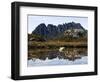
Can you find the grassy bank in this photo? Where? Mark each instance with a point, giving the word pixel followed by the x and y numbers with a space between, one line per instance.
pixel 55 44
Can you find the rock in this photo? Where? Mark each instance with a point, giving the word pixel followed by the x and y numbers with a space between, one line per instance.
pixel 52 31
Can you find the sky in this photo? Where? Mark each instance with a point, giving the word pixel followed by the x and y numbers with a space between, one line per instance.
pixel 35 20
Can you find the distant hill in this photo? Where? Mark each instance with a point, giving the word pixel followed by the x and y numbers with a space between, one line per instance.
pixel 52 31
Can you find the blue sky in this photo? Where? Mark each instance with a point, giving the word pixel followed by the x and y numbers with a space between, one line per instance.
pixel 35 20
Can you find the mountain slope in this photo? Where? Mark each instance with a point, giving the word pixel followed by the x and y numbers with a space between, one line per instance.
pixel 52 31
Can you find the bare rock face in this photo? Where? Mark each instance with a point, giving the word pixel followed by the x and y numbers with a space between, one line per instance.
pixel 52 31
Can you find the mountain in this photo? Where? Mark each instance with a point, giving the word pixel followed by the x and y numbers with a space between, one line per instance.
pixel 52 31
pixel 41 29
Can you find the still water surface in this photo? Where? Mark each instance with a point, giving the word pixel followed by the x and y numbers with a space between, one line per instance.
pixel 70 56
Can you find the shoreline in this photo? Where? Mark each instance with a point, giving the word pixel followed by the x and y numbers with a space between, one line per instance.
pixel 56 44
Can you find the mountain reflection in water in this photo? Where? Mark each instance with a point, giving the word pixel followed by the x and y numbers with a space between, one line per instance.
pixel 69 56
